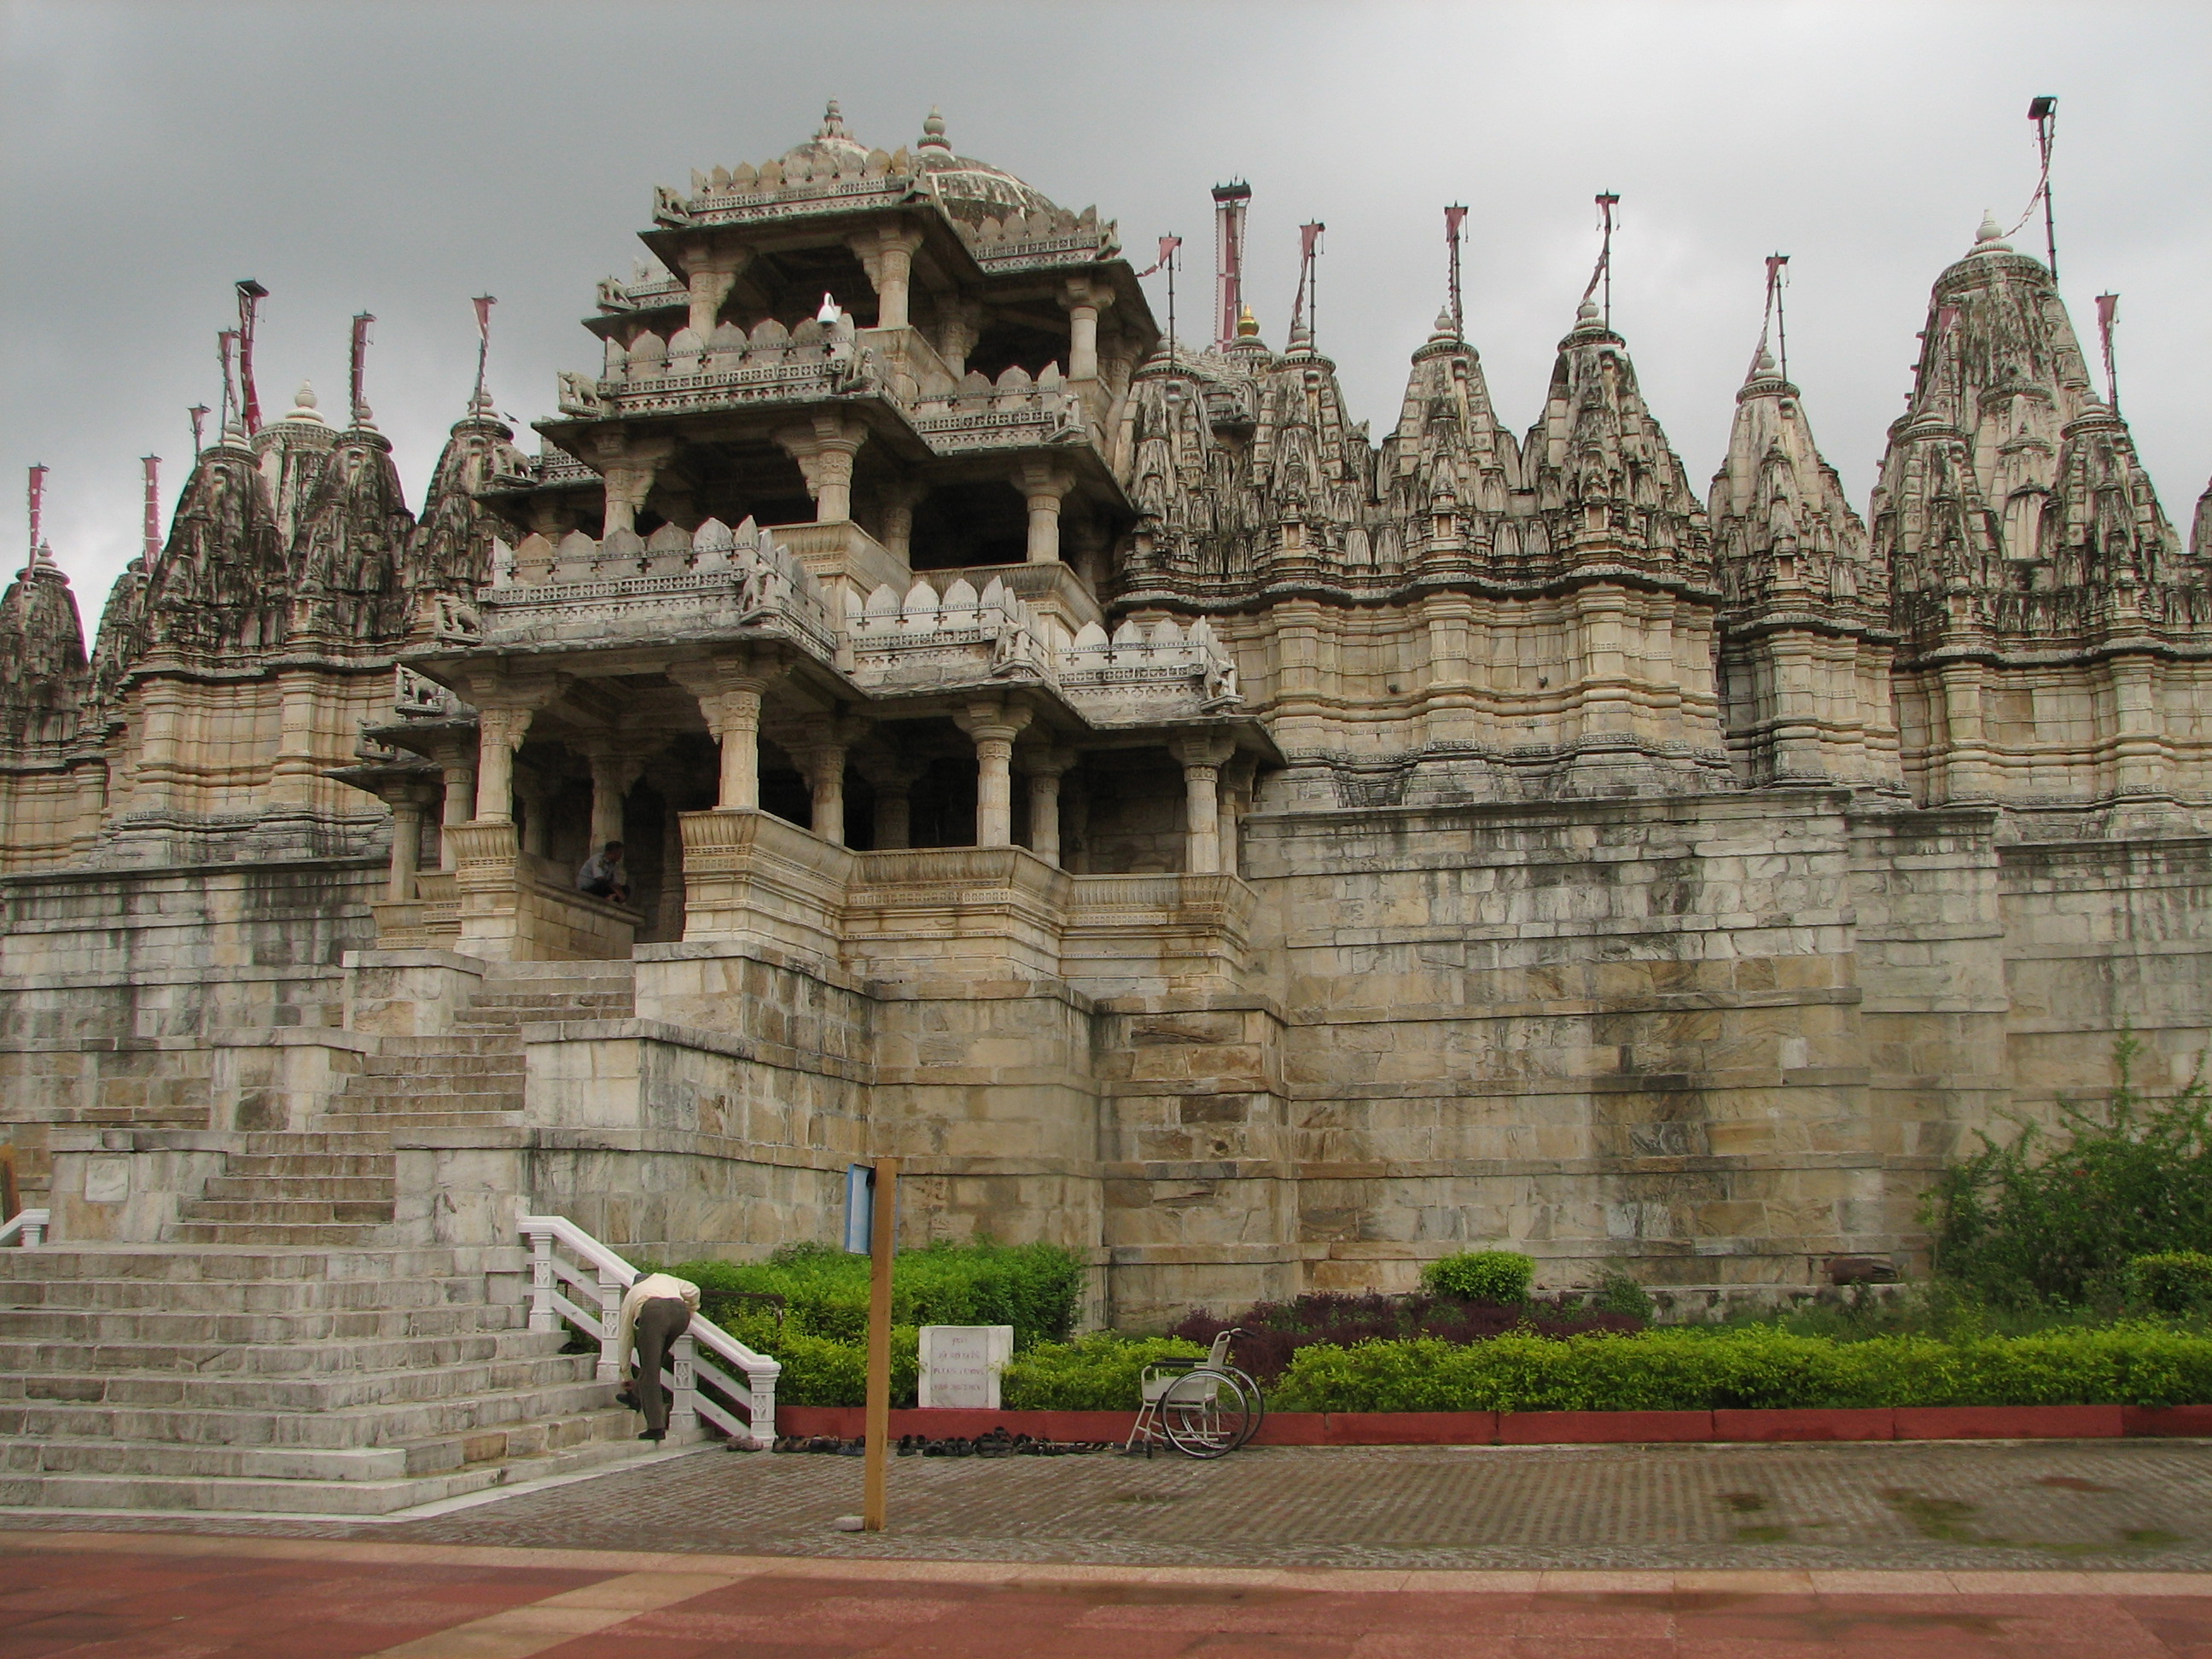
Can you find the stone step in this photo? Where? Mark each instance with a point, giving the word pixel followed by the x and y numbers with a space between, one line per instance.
pixel 319 1393
pixel 95 1326
pixel 398 1096
pixel 281 1166
pixel 285 1211
pixel 385 1422
pixel 32 1355
pixel 187 1266
pixel 322 1236
pixel 336 1188
pixel 462 1044
pixel 303 1143
pixel 605 1444
pixel 400 1122
pixel 417 1069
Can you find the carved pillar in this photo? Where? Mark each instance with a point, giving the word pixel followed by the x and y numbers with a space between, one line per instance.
pixel 459 765
pixel 994 725
pixel 711 273
pixel 535 794
pixel 825 449
pixel 1084 300
pixel 406 844
pixel 729 691
pixel 1042 485
pixel 893 781
pixel 898 519
pixel 613 771
pixel 627 466
pixel 1044 768
pixel 499 733
pixel 959 325
pixel 886 252
pixel 822 757
pixel 1202 755
pixel 1236 793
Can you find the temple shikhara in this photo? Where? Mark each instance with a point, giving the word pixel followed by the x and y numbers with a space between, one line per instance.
pixel 1257 852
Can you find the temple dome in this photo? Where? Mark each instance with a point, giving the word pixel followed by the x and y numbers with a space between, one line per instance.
pixel 831 149
pixel 987 192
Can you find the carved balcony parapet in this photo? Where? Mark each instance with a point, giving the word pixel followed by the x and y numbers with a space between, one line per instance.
pixel 1138 674
pixel 714 583
pixel 1015 411
pixel 925 640
pixel 1041 239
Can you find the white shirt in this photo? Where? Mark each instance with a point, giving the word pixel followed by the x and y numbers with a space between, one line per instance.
pixel 651 1288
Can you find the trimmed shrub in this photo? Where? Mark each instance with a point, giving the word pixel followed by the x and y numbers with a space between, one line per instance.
pixel 1034 1288
pixel 819 1372
pixel 1501 1276
pixel 1273 1331
pixel 2175 1282
pixel 1095 1373
pixel 1689 1369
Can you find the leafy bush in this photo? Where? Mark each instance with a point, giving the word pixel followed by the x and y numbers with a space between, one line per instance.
pixel 1480 1276
pixel 1033 1287
pixel 1095 1373
pixel 2176 1282
pixel 1275 1331
pixel 2056 1216
pixel 1689 1369
pixel 1618 1294
pixel 818 1371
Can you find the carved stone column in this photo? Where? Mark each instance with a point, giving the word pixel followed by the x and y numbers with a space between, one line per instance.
pixel 627 464
pixel 711 272
pixel 898 519
pixel 886 252
pixel 535 794
pixel 1202 755
pixel 959 326
pixel 459 765
pixel 613 771
pixel 729 691
pixel 825 449
pixel 994 725
pixel 1044 766
pixel 1042 485
pixel 499 733
pixel 893 781
pixel 407 803
pixel 1083 301
pixel 1236 793
pixel 822 757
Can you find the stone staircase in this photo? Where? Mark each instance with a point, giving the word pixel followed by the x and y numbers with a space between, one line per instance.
pixel 282 1351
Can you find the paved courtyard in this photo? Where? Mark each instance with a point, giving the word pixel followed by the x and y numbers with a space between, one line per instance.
pixel 1691 1551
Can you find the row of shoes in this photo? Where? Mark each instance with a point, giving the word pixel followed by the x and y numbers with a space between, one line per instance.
pixel 997 1442
pixel 820 1443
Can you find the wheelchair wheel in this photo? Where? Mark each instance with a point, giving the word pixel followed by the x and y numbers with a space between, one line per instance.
pixel 1257 1401
pixel 1207 1413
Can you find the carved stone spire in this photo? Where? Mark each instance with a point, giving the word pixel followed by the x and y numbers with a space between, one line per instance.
pixel 1805 647
pixel 449 550
pixel 222 584
pixel 44 678
pixel 348 551
pixel 1449 444
pixel 1610 492
pixel 2011 502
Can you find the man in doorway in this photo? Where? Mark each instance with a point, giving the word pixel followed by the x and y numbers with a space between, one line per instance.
pixel 604 875
pixel 657 1311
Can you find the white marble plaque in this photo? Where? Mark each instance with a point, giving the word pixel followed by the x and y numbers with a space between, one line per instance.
pixel 960 1365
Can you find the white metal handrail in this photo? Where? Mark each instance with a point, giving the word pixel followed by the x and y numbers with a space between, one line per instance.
pixel 26 1228
pixel 600 1278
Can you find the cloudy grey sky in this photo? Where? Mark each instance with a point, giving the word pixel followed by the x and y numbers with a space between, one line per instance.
pixel 399 157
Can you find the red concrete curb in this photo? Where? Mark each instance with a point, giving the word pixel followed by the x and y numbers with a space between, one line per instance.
pixel 1562 1428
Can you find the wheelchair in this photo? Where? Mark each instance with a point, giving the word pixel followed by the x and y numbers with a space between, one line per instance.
pixel 1202 1407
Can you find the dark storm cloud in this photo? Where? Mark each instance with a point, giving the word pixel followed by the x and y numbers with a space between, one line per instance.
pixel 399 158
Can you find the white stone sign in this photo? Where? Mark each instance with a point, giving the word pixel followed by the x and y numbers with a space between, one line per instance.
pixel 960 1365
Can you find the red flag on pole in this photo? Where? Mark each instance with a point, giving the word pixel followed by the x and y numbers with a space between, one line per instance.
pixel 1454 217
pixel 1167 246
pixel 2108 313
pixel 251 293
pixel 483 303
pixel 359 409
pixel 153 533
pixel 38 505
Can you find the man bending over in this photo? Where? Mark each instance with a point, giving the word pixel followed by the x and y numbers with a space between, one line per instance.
pixel 657 1311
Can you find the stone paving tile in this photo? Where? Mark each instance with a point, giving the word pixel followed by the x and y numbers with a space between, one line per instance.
pixel 2044 1506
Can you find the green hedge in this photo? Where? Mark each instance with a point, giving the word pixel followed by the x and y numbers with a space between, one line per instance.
pixel 2135 1364
pixel 1032 1287
pixel 1095 1373
pixel 819 1372
pixel 2176 1282
pixel 1502 1276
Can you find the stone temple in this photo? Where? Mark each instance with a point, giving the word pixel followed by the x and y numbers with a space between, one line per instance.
pixel 1091 767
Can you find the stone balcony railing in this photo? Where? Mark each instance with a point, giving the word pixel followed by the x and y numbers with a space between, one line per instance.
pixel 714 583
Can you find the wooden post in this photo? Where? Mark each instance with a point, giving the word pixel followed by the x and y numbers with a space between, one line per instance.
pixel 883 1209
pixel 11 1199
